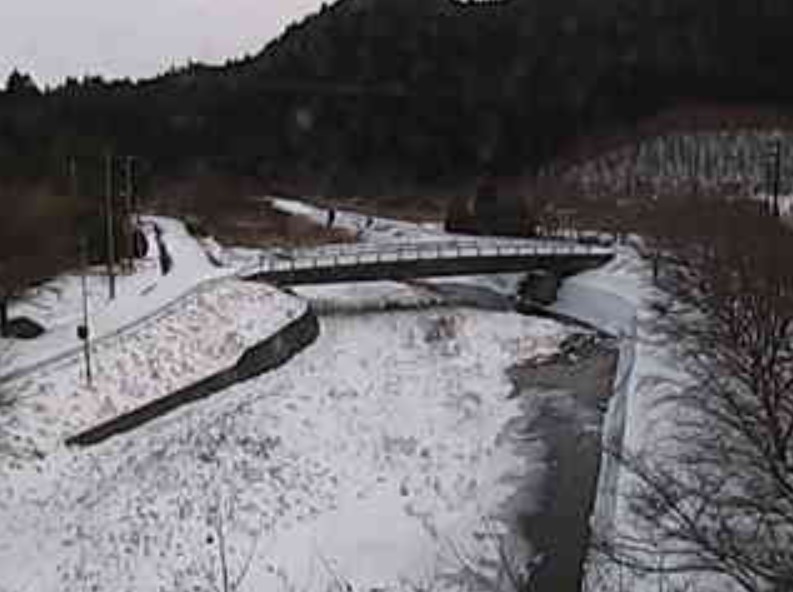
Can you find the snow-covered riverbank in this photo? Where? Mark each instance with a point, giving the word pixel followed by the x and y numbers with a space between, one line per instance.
pixel 209 330
pixel 382 457
pixel 642 420
pixel 377 458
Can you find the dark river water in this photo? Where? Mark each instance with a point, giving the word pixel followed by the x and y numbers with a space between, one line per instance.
pixel 568 395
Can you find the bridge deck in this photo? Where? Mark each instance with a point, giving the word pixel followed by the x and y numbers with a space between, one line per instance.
pixel 371 262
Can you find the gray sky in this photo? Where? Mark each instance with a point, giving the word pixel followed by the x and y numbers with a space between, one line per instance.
pixel 52 39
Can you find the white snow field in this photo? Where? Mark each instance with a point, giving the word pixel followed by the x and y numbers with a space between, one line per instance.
pixel 615 298
pixel 380 458
pixel 387 456
pixel 205 332
pixel 367 228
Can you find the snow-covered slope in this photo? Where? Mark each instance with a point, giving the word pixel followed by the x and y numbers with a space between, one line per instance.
pixel 737 160
pixel 207 332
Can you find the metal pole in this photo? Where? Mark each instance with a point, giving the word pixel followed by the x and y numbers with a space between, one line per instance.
pixel 777 158
pixel 768 180
pixel 127 221
pixel 111 247
pixel 87 336
pixel 137 197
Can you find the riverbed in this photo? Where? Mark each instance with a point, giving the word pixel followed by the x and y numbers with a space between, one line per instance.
pixel 411 447
pixel 565 400
pixel 558 432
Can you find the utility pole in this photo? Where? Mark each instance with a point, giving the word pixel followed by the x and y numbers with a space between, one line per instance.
pixel 772 172
pixel 137 194
pixel 777 158
pixel 83 332
pixel 128 201
pixel 769 182
pixel 109 226
pixel 73 186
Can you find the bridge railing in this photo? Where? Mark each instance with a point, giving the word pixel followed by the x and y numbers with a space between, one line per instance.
pixel 379 253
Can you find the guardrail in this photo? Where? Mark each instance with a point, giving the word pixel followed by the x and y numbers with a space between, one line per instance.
pixel 374 254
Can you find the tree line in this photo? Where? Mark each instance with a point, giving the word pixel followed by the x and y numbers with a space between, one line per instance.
pixel 367 92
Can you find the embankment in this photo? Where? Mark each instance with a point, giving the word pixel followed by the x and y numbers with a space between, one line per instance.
pixel 258 359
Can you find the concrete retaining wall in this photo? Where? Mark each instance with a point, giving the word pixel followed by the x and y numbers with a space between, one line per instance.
pixel 263 357
pixel 617 317
pixel 603 515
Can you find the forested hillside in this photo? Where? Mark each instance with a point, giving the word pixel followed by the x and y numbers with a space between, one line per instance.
pixel 379 93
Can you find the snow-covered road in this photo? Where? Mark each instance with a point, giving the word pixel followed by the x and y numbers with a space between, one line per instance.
pixel 141 296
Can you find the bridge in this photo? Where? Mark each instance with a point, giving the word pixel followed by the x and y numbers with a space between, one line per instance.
pixel 427 258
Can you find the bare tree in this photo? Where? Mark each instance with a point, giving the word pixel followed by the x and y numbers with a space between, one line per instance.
pixel 37 240
pixel 723 502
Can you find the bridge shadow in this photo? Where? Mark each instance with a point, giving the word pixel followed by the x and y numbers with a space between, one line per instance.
pixel 463 294
pixel 424 295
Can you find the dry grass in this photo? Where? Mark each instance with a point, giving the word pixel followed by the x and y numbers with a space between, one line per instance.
pixel 412 209
pixel 38 235
pixel 222 206
pixel 259 225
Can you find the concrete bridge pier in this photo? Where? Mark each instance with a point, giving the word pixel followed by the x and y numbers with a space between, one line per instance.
pixel 539 287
